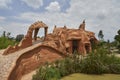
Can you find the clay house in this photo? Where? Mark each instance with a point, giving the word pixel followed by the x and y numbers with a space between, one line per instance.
pixel 71 40
pixel 62 39
pixel 29 54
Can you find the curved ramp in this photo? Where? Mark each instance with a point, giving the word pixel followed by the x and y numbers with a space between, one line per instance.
pixel 7 62
pixel 32 59
pixel 15 65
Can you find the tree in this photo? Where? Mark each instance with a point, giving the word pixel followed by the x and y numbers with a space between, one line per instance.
pixel 109 45
pixel 4 34
pixel 19 37
pixel 8 35
pixel 117 38
pixel 100 35
pixel 119 31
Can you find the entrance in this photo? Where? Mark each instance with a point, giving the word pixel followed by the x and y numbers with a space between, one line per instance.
pixel 75 45
pixel 87 47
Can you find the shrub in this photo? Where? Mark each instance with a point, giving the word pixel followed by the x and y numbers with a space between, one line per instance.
pixel 97 62
pixel 114 68
pixel 19 37
pixel 4 42
pixel 100 62
pixel 49 73
pixel 92 64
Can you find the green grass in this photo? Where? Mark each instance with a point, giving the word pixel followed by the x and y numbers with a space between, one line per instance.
pixel 78 76
pixel 5 42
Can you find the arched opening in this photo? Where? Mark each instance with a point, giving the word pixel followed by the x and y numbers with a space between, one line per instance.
pixel 34 29
pixel 41 34
pixel 42 31
pixel 75 45
pixel 38 36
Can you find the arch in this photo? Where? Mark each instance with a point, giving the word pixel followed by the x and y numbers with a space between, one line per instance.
pixel 35 28
pixel 27 40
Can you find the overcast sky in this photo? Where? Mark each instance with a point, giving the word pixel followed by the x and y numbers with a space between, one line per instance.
pixel 17 15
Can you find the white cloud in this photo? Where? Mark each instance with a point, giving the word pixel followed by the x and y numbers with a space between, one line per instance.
pixel 49 18
pixel 99 15
pixel 4 4
pixel 1 29
pixel 28 16
pixel 14 28
pixel 2 18
pixel 34 3
pixel 53 6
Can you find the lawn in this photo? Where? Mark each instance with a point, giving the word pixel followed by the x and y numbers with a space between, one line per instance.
pixel 79 76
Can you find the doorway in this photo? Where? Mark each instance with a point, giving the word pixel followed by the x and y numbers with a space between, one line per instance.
pixel 87 48
pixel 75 45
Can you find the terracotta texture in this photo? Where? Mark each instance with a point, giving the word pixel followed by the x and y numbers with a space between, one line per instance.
pixel 56 45
pixel 32 60
pixel 62 39
pixel 70 40
pixel 27 40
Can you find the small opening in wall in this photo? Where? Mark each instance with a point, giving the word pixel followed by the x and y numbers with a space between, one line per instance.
pixel 75 46
pixel 87 48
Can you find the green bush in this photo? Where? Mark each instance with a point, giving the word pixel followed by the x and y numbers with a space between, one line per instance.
pixel 100 62
pixel 5 42
pixel 114 68
pixel 97 62
pixel 93 64
pixel 47 73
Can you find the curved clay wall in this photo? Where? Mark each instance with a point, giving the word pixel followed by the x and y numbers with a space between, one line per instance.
pixel 32 60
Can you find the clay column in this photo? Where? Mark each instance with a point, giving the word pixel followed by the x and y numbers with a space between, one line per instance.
pixel 46 30
pixel 35 33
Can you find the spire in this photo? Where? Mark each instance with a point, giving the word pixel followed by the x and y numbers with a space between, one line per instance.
pixel 82 26
pixel 84 21
pixel 55 26
pixel 65 26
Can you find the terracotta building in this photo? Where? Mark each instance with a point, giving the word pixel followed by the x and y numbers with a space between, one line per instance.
pixel 70 40
pixel 62 39
pixel 30 53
